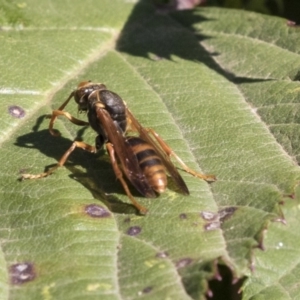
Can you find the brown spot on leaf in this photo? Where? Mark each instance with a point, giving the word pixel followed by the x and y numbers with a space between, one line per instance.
pixel 183 216
pixel 21 273
pixel 162 254
pixel 97 211
pixel 16 111
pixel 147 289
pixel 226 213
pixel 291 23
pixel 212 226
pixel 184 262
pixel 209 216
pixel 134 230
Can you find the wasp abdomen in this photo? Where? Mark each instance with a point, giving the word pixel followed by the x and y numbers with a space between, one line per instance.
pixel 150 163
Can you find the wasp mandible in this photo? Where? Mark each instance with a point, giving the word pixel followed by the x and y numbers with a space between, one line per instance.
pixel 143 158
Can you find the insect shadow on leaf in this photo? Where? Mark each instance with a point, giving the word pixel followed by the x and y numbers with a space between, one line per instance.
pixel 98 176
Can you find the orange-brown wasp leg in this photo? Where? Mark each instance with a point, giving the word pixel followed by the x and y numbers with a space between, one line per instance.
pixel 53 116
pixel 62 161
pixel 59 112
pixel 168 150
pixel 119 175
pixel 72 119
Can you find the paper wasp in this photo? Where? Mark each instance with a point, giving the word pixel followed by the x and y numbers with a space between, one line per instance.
pixel 144 159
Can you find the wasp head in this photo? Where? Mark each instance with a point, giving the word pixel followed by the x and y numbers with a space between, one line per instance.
pixel 83 92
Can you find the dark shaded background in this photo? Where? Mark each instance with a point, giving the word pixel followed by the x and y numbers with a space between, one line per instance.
pixel 289 9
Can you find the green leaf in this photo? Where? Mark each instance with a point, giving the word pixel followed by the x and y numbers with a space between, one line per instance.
pixel 276 273
pixel 218 85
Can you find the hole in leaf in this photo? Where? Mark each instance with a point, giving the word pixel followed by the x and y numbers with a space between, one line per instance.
pixel 224 286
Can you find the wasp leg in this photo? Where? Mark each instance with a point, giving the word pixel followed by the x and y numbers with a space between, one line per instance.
pixel 168 150
pixel 53 117
pixel 119 175
pixel 62 161
pixel 72 119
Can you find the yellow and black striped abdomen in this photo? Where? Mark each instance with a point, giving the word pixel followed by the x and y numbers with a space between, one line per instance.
pixel 150 163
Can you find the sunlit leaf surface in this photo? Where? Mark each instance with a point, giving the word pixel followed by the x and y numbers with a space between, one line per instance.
pixel 220 86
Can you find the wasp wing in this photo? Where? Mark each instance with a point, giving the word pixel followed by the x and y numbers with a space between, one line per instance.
pixel 160 152
pixel 125 154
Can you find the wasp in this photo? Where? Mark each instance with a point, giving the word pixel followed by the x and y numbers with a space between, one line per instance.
pixel 144 158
